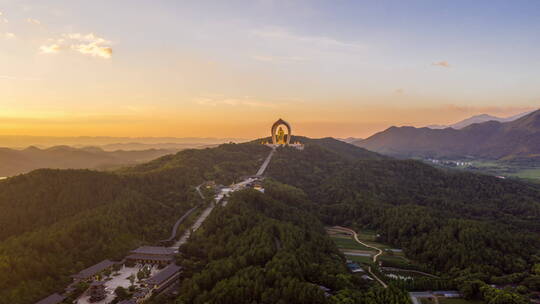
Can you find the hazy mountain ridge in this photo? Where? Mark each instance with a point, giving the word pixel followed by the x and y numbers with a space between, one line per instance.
pixel 14 161
pixel 478 119
pixel 18 141
pixel 136 146
pixel 492 140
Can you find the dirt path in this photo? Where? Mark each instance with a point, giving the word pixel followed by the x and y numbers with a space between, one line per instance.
pixel 355 236
pixel 379 251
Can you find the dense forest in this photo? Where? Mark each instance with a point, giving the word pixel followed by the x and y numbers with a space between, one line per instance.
pixel 57 222
pixel 268 249
pixel 468 225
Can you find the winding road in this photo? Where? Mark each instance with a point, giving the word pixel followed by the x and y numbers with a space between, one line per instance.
pixel 183 217
pixel 177 224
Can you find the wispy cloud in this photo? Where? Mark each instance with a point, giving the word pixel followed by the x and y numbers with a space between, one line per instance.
pixel 88 44
pixel 3 19
pixel 90 38
pixel 245 101
pixel 279 58
pixel 493 110
pixel 443 64
pixel 33 21
pixel 50 49
pixel 93 50
pixel 7 77
pixel 316 41
pixel 399 91
pixel 8 35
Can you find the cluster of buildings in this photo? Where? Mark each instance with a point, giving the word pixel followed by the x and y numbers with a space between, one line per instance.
pixel 254 182
pixel 146 255
pixel 450 163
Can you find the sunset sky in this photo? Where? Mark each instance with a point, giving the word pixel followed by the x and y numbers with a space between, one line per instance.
pixel 230 68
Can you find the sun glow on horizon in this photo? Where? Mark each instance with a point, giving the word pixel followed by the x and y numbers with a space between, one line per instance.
pixel 210 69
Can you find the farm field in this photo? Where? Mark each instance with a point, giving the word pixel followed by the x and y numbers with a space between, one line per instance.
pixel 348 243
pixel 360 259
pixel 528 174
pixel 396 261
pixel 369 237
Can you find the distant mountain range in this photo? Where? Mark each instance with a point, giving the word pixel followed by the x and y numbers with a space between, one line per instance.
pixel 135 146
pixel 17 141
pixel 14 161
pixel 490 140
pixel 478 119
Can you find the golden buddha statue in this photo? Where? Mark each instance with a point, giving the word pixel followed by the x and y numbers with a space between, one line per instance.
pixel 280 136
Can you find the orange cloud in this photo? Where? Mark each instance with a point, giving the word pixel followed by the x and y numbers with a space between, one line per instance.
pixel 443 64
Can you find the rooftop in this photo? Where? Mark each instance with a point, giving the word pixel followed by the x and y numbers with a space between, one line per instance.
pixel 52 299
pixel 93 270
pixel 152 257
pixel 97 283
pixel 164 275
pixel 153 250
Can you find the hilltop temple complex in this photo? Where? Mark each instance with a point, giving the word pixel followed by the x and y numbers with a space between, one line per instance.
pixel 281 138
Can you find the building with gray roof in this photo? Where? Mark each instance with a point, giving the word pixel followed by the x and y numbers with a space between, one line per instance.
pixel 164 278
pixel 93 271
pixel 52 299
pixel 152 255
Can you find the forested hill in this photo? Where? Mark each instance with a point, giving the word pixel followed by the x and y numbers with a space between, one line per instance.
pixel 451 221
pixel 266 248
pixel 57 222
pixel 224 164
